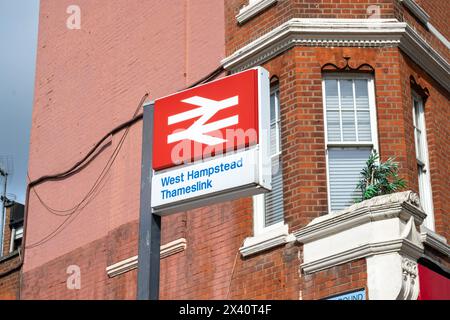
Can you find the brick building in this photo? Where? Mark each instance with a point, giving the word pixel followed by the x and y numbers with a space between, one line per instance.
pixel 347 77
pixel 11 257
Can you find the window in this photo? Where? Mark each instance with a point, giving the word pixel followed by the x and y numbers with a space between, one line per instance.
pixel 268 208
pixel 420 140
pixel 16 238
pixel 349 110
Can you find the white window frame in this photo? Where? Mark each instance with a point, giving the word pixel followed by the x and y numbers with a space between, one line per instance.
pixel 16 233
pixel 276 234
pixel 423 177
pixel 259 203
pixel 373 120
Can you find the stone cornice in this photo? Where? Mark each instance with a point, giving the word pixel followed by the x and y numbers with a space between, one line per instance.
pixel 416 10
pixel 426 57
pixel 381 225
pixel 401 205
pixel 341 33
pixel 435 241
pixel 316 32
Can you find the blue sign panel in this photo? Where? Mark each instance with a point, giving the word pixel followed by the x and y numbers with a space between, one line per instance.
pixel 355 295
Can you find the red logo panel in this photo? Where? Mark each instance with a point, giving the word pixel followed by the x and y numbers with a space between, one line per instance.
pixel 209 119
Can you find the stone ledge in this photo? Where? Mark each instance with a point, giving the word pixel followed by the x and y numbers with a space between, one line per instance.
pixel 251 10
pixel 126 265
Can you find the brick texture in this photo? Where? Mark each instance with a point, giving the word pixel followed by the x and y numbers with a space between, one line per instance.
pixel 112 63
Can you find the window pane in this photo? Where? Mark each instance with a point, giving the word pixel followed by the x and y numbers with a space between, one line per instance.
pixel 273 139
pixel 364 133
pixel 419 147
pixel 348 111
pixel 417 114
pixel 272 108
pixel 332 107
pixel 332 98
pixel 348 125
pixel 274 199
pixel 345 165
pixel 333 127
pixel 361 95
pixel 347 94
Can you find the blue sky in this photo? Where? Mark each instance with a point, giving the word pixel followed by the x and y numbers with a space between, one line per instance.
pixel 18 38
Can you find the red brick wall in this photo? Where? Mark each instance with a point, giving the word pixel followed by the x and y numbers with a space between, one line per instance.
pixel 403 14
pixel 437 109
pixel 87 82
pixel 10 277
pixel 7 232
pixel 342 278
pixel 211 266
pixel 439 12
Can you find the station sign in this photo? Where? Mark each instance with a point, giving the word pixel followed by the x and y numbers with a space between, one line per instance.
pixel 355 295
pixel 211 143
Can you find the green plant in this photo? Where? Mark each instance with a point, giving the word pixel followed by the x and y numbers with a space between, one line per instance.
pixel 379 178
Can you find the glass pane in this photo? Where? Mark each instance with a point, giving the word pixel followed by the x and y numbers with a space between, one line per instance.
pixel 348 125
pixel 345 165
pixel 331 93
pixel 274 198
pixel 361 95
pixel 334 131
pixel 272 108
pixel 417 114
pixel 348 113
pixel 364 133
pixel 347 94
pixel 419 146
pixel 273 139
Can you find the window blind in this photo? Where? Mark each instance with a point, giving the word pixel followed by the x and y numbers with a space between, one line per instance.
pixel 347 111
pixel 274 200
pixel 345 164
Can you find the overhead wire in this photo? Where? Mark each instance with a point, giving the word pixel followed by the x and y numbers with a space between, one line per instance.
pixel 94 188
pixel 68 213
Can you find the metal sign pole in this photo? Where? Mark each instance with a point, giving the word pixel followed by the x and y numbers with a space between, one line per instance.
pixel 149 224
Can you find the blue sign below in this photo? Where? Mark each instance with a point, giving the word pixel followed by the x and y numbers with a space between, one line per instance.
pixel 355 295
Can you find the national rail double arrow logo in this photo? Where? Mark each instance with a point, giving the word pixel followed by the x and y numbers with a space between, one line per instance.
pixel 207 109
pixel 189 123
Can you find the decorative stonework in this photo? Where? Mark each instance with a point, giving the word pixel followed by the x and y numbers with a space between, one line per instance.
pixel 341 33
pixel 434 241
pixel 252 9
pixel 331 67
pixel 410 283
pixel 383 230
pixel 401 205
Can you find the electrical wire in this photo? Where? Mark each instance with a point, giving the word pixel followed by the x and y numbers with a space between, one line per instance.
pixel 68 213
pixel 232 274
pixel 86 199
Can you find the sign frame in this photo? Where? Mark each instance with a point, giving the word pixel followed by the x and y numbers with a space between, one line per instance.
pixel 262 167
pixel 150 221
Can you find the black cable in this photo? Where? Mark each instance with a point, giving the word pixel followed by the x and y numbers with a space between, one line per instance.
pixel 91 191
pixel 70 212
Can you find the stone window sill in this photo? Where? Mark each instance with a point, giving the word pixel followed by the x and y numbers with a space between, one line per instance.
pixel 266 240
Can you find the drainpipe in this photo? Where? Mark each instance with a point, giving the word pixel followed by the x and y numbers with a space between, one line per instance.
pixel 2 214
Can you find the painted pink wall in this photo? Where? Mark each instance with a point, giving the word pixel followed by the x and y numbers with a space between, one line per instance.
pixel 90 80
